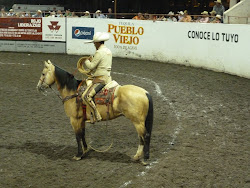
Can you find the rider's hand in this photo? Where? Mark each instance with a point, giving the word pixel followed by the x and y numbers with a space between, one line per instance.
pixel 90 58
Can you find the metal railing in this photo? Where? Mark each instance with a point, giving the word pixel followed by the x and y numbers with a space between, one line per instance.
pixel 147 16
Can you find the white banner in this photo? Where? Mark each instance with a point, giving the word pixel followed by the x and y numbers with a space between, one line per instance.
pixel 54 29
pixel 219 47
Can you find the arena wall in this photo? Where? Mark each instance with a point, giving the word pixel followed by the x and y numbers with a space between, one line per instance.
pixel 218 47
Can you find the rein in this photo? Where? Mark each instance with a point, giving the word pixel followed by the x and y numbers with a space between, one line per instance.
pixel 75 95
pixel 69 97
pixel 58 95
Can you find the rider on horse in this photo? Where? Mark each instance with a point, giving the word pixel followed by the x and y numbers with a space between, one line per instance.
pixel 100 69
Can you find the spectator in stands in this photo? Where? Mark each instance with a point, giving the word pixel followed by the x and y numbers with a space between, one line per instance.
pixel 146 16
pixel 110 14
pixel 152 17
pixel 171 17
pixel 219 8
pixel 205 17
pixel 59 14
pixel 86 14
pixel 180 15
pixel 196 18
pixel 217 19
pixel 27 15
pixel 11 13
pixel 21 14
pixel 52 14
pixel 67 13
pixel 138 17
pixel 38 14
pixel 186 17
pixel 162 18
pixel 3 13
pixel 98 14
pixel 73 15
pixel 212 13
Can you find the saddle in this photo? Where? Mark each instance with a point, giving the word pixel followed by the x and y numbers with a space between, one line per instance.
pixel 105 96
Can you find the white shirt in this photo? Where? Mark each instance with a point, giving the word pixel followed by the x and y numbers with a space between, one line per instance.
pixel 101 63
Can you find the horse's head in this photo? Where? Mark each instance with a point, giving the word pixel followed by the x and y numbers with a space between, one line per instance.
pixel 47 77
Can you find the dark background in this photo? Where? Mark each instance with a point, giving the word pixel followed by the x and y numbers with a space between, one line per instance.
pixel 125 6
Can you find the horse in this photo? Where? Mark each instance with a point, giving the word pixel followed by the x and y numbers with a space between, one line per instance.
pixel 131 101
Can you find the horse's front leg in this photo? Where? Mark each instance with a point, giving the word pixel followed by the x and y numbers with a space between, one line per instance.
pixel 79 154
pixel 85 146
pixel 79 132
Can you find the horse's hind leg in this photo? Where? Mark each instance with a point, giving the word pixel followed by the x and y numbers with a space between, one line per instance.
pixel 144 129
pixel 141 132
pixel 148 126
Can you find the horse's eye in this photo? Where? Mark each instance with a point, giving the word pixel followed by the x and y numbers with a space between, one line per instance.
pixel 43 74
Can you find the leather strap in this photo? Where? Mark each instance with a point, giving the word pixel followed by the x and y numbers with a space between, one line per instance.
pixel 69 97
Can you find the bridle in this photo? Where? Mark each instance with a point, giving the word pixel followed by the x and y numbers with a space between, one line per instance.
pixel 59 96
pixel 49 86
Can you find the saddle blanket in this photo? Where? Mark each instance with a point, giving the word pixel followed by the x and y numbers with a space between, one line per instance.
pixel 107 94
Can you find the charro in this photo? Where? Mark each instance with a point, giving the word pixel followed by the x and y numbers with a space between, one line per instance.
pixel 98 69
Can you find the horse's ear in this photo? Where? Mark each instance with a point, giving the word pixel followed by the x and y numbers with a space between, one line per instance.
pixel 46 64
pixel 49 62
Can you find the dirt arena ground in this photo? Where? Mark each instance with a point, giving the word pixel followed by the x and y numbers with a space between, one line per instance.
pixel 200 136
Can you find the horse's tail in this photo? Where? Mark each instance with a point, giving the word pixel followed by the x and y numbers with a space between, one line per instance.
pixel 148 126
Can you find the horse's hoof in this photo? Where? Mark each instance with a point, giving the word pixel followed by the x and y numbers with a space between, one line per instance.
pixel 136 158
pixel 77 158
pixel 144 162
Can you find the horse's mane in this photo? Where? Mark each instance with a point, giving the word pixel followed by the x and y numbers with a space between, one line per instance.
pixel 66 79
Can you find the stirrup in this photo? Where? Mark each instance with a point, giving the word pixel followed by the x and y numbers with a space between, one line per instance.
pixel 91 120
pixel 96 117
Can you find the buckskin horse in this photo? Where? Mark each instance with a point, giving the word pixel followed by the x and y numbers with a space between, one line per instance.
pixel 131 101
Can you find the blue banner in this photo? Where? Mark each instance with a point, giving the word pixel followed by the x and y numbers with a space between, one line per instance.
pixel 83 33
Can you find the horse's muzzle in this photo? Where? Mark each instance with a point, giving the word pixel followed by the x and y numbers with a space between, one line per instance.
pixel 41 88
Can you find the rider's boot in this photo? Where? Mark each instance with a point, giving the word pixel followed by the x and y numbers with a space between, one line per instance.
pixel 91 103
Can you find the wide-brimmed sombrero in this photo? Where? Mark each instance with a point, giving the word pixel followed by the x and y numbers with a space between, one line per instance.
pixel 99 37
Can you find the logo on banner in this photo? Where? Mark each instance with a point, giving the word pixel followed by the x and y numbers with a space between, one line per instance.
pixel 83 33
pixel 32 23
pixel 54 26
pixel 126 35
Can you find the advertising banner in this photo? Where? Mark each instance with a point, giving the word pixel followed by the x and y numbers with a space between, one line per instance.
pixel 21 28
pixel 82 33
pixel 54 29
pixel 127 38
